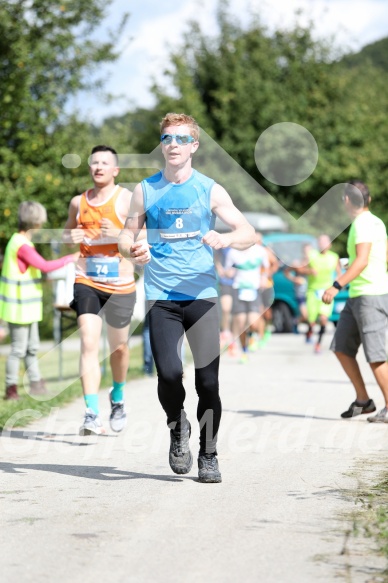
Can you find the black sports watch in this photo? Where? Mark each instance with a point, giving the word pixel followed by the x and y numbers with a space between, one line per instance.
pixel 337 285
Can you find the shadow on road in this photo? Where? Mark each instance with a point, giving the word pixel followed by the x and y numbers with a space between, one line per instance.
pixel 91 472
pixel 51 437
pixel 256 413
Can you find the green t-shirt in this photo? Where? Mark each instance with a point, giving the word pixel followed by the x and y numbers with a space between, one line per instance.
pixel 373 281
pixel 325 265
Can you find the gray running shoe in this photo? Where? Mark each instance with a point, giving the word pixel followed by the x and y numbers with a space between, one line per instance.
pixel 380 417
pixel 180 458
pixel 118 416
pixel 208 471
pixel 92 424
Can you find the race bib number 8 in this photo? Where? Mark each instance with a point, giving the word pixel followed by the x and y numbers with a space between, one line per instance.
pixel 102 269
pixel 178 223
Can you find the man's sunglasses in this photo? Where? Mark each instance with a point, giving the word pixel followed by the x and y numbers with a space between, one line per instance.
pixel 167 139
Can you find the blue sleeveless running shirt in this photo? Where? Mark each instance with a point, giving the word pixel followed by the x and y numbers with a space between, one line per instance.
pixel 177 217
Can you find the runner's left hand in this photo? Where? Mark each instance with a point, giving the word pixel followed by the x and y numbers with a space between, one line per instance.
pixel 215 240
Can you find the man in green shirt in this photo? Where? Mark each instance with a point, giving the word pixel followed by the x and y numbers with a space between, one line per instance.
pixel 364 318
pixel 322 267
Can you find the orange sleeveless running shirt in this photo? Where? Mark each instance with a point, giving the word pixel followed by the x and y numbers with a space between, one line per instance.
pixel 100 265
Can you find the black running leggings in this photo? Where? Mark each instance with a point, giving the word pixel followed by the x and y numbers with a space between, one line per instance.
pixel 199 319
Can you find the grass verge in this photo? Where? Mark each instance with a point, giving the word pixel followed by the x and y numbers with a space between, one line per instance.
pixel 368 521
pixel 60 391
pixel 372 520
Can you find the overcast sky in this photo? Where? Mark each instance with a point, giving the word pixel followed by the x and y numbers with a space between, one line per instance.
pixel 156 26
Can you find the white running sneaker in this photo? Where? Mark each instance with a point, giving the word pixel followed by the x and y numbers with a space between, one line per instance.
pixel 118 416
pixel 92 424
pixel 380 417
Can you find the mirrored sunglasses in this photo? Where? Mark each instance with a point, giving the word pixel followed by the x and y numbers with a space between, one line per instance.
pixel 167 139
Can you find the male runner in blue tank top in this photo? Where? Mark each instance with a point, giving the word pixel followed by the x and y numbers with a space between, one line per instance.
pixel 178 206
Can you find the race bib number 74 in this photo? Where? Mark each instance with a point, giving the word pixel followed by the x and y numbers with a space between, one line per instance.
pixel 102 269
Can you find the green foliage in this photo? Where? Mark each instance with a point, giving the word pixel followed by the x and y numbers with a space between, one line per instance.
pixel 375 54
pixel 48 53
pixel 242 81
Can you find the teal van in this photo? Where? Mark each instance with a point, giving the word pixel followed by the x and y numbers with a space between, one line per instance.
pixel 289 247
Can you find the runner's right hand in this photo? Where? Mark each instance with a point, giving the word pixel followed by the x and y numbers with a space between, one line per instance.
pixel 140 252
pixel 77 235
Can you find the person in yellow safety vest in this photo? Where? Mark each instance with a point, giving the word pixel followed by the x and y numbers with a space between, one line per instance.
pixel 21 297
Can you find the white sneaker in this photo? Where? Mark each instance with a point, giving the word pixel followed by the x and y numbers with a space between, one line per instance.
pixel 118 416
pixel 92 424
pixel 380 417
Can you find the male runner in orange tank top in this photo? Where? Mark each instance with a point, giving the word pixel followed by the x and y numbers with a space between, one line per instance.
pixel 104 283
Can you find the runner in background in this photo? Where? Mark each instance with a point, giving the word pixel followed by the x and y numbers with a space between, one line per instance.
pixel 225 284
pixel 300 286
pixel 322 267
pixel 246 267
pixel 267 294
pixel 104 284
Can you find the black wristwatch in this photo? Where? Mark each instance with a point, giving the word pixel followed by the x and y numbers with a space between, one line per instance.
pixel 337 285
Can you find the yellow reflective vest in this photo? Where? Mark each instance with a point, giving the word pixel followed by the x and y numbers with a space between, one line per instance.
pixel 20 293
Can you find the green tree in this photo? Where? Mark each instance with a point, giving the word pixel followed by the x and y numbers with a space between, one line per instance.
pixel 243 80
pixel 48 52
